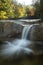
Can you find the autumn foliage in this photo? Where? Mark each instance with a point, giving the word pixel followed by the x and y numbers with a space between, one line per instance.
pixel 11 9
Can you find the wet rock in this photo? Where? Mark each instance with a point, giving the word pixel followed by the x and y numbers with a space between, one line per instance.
pixel 36 36
pixel 36 33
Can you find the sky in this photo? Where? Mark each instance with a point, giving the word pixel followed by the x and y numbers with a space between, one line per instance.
pixel 26 2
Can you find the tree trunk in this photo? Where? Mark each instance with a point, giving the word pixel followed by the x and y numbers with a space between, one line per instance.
pixel 41 11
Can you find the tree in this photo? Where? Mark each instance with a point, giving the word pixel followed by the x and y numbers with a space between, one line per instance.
pixel 27 11
pixel 16 12
pixel 5 7
pixel 41 9
pixel 22 11
pixel 37 6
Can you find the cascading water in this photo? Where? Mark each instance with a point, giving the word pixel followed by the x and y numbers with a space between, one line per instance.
pixel 26 31
pixel 17 47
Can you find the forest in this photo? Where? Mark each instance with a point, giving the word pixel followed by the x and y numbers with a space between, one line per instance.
pixel 10 9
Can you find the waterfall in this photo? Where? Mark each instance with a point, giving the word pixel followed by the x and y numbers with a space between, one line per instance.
pixel 18 47
pixel 26 31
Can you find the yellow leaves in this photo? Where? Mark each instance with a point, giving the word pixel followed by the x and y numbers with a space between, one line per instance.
pixel 12 5
pixel 32 10
pixel 22 11
pixel 3 15
pixel 11 11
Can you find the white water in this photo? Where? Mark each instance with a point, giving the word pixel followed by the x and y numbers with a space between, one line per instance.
pixel 26 31
pixel 17 46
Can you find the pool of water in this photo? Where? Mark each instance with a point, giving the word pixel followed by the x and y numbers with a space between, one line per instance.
pixel 24 60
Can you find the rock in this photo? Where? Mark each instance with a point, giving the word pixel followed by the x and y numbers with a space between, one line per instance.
pixel 9 30
pixel 36 33
pixel 36 36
